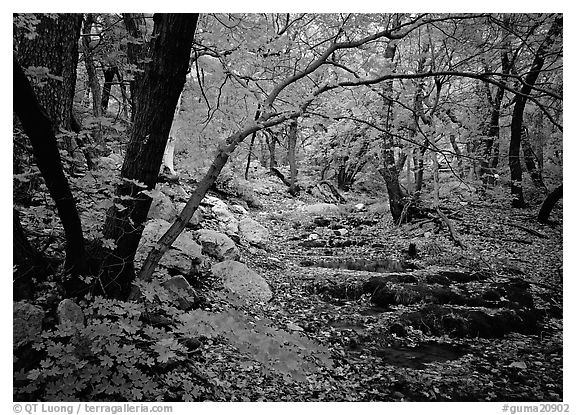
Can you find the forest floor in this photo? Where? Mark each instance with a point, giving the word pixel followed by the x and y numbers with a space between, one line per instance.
pixel 479 323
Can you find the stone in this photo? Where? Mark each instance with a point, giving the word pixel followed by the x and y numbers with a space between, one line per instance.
pixel 162 208
pixel 242 281
pixel 222 213
pixel 218 245
pixel 321 209
pixel 340 232
pixel 26 323
pixel 69 312
pixel 239 209
pixel 254 232
pixel 181 255
pixel 181 292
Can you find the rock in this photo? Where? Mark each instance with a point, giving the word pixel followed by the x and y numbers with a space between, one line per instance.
pixel 26 322
pixel 162 208
pixel 254 232
pixel 238 209
pixel 222 213
pixel 321 209
pixel 181 292
pixel 181 255
pixel 69 312
pixel 359 207
pixel 242 281
pixel 340 232
pixel 218 245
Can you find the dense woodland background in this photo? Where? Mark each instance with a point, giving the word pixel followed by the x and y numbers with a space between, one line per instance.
pixel 287 206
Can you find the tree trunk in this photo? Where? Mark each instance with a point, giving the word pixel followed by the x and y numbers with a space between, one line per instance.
pixel 548 204
pixel 55 47
pixel 135 53
pixel 38 127
pixel 251 146
pixel 518 113
pixel 271 141
pixel 92 82
pixel 163 80
pixel 531 163
pixel 489 160
pixel 28 261
pixel 292 141
pixel 458 153
pixel 107 87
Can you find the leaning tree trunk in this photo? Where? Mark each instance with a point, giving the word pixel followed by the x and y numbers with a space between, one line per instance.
pixel 548 204
pixel 518 113
pixel 38 128
pixel 163 80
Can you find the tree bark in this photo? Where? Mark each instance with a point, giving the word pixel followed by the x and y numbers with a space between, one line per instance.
pixel 531 163
pixel 109 74
pixel 135 53
pixel 163 81
pixel 292 141
pixel 271 141
pixel 54 47
pixel 251 146
pixel 28 261
pixel 489 160
pixel 518 113
pixel 549 203
pixel 38 127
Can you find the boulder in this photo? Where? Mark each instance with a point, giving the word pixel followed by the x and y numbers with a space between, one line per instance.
pixel 181 291
pixel 253 232
pixel 242 281
pixel 69 312
pixel 181 255
pixel 162 208
pixel 26 322
pixel 218 245
pixel 239 209
pixel 321 209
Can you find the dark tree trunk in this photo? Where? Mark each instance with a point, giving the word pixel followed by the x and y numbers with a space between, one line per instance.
pixel 489 160
pixel 251 147
pixel 418 156
pixel 135 53
pixel 28 261
pixel 548 204
pixel 55 47
pixel 518 113
pixel 292 140
pixel 389 170
pixel 163 80
pixel 109 74
pixel 531 164
pixel 94 85
pixel 38 127
pixel 271 141
pixel 93 81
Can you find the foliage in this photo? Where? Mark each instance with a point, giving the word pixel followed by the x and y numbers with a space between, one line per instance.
pixel 121 353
